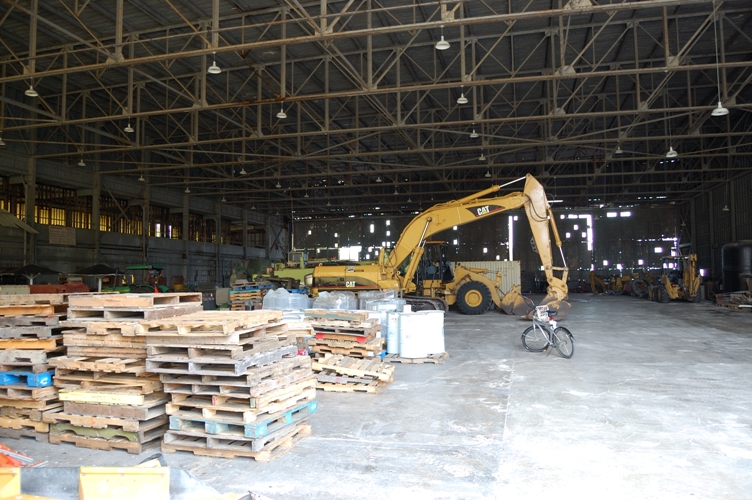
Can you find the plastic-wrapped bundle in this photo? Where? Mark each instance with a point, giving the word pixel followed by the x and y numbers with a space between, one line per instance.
pixel 335 300
pixel 386 305
pixel 272 298
pixel 365 297
pixel 283 300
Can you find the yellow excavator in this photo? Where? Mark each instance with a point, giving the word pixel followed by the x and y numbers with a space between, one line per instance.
pixel 681 282
pixel 426 280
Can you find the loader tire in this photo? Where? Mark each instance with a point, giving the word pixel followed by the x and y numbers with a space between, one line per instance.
pixel 474 298
pixel 663 296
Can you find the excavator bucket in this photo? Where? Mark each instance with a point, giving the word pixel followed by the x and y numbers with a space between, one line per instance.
pixel 513 302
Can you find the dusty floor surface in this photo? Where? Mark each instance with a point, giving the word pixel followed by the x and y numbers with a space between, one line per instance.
pixel 655 403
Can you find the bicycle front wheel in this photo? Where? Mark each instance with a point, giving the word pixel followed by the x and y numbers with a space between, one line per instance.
pixel 564 342
pixel 534 340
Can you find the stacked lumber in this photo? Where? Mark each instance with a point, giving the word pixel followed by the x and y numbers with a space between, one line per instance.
pixel 349 333
pixel 237 386
pixel 248 295
pixel 337 373
pixel 109 399
pixel 30 340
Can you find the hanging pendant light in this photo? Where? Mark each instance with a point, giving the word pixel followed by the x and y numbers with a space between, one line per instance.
pixel 81 162
pixel 141 178
pixel 187 190
pixel 442 44
pixel 462 99
pixel 618 150
pixel 473 134
pixel 30 92
pixel 281 115
pixel 278 186
pixel 242 171
pixel 488 173
pixel 128 129
pixel 214 69
pixel 223 200
pixel 2 142
pixel 482 157
pixel 378 179
pixel 719 110
pixel 671 152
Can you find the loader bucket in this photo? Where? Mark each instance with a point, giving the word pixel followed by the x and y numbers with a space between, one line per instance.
pixel 513 302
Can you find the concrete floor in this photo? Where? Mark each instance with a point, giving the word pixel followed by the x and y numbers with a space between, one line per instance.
pixel 655 403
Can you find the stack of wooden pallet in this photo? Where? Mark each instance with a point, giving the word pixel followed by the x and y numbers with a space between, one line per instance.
pixel 337 373
pixel 110 401
pixel 248 295
pixel 30 339
pixel 349 333
pixel 236 383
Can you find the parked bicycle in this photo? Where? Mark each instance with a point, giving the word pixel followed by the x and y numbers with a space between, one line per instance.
pixel 545 333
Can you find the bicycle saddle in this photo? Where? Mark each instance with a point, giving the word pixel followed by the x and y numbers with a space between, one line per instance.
pixel 552 313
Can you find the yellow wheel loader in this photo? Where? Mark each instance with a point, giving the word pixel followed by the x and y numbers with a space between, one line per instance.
pixel 680 282
pixel 413 267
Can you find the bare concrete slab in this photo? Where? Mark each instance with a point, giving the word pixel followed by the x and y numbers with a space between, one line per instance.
pixel 655 403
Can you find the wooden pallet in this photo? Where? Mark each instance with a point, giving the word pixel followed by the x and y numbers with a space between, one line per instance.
pixel 36 320
pixel 153 406
pixel 331 381
pixel 252 377
pixel 137 427
pixel 24 357
pixel 258 390
pixel 76 338
pixel 27 310
pixel 33 414
pixel 433 358
pixel 102 327
pixel 235 338
pixel 231 411
pixel 143 435
pixel 32 344
pixel 30 331
pixel 26 377
pixel 75 379
pixel 217 365
pixel 132 300
pixel 210 323
pixel 262 344
pixel 23 433
pixel 244 431
pixel 42 404
pixel 355 367
pixel 33 299
pixel 119 397
pixel 99 364
pixel 34 368
pixel 134 314
pixel 103 352
pixel 323 315
pixel 224 448
pixel 22 423
pixel 20 391
pixel 95 443
pixel 351 352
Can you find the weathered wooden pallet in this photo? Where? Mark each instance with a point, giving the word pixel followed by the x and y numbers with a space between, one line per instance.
pixel 102 327
pixel 216 365
pixel 42 404
pixel 26 377
pixel 20 391
pixel 76 379
pixel 210 323
pixel 229 448
pixel 95 443
pixel 32 344
pixel 143 435
pixel 331 381
pixel 261 344
pixel 132 300
pixel 376 344
pixel 75 338
pixel 236 338
pixel 26 310
pixel 30 331
pixel 33 299
pixel 134 314
pixel 252 377
pixel 33 414
pixel 51 320
pixel 232 411
pixel 137 427
pixel 238 392
pixel 362 328
pixel 34 368
pixel 345 337
pixel 356 367
pixel 113 352
pixel 346 317
pixel 153 406
pixel 23 423
pixel 24 357
pixel 432 358
pixel 99 364
pixel 352 352
pixel 114 397
pixel 23 433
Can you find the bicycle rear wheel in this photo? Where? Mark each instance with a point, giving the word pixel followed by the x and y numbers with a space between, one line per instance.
pixel 534 340
pixel 564 342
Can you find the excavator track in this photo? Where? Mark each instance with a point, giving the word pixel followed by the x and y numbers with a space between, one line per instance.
pixel 426 303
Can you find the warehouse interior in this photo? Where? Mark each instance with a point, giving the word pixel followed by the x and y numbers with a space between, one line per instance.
pixel 220 139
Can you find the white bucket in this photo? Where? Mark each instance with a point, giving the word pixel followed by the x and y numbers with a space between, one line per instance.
pixel 421 333
pixel 392 332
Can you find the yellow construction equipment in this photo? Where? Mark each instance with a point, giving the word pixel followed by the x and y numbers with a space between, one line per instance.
pixel 680 282
pixel 596 283
pixel 428 282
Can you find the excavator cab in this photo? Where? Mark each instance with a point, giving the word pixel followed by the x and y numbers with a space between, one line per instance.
pixel 434 269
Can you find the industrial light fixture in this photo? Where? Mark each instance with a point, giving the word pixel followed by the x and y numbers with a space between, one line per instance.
pixel 30 92
pixel 473 134
pixel 281 115
pixel 81 162
pixel 2 142
pixel 214 69
pixel 409 200
pixel 395 190
pixel 223 200
pixel 187 190
pixel 671 152
pixel 726 208
pixel 719 110
pixel 442 44
pixel 488 173
pixel 141 178
pixel 253 206
pixel 242 171
pixel 278 186
pixel 618 150
pixel 462 99
pixel 328 204
pixel 306 195
pixel 482 157
pixel 128 129
pixel 378 179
